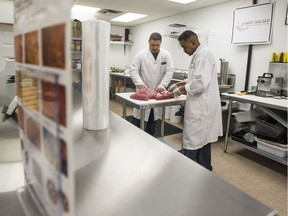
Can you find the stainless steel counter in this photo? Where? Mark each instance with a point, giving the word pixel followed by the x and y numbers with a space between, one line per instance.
pixel 123 171
pixel 132 173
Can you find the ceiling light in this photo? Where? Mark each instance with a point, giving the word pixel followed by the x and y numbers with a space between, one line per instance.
pixel 82 13
pixel 183 1
pixel 128 17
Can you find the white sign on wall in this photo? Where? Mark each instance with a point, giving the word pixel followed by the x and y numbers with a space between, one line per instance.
pixel 253 24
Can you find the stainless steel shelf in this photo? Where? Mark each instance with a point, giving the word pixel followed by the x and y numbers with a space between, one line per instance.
pixel 127 43
pixel 261 152
pixel 266 105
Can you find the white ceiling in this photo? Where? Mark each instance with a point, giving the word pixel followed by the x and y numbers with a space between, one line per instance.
pixel 155 9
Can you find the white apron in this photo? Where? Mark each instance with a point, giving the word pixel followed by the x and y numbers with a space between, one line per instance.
pixel 203 115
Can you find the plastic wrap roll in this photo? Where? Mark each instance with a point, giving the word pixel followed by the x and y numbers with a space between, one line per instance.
pixel 95 74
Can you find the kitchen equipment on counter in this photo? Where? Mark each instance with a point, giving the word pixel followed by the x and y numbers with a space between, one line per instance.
pixel 268 85
pixel 223 71
pixel 180 74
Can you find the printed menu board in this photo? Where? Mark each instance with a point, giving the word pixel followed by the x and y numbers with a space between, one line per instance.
pixel 42 34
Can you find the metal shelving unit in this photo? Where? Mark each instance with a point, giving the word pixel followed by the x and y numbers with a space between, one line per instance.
pixel 261 152
pixel 76 55
pixel 270 106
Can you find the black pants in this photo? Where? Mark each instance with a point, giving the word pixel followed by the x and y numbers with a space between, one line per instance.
pixel 202 156
pixel 150 125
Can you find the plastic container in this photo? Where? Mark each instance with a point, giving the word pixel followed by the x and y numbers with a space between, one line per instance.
pixel 272 149
pixel 240 137
pixel 269 130
pixel 174 118
pixel 249 137
pixel 271 142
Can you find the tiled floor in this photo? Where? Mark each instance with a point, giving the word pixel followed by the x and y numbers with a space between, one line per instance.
pixel 262 178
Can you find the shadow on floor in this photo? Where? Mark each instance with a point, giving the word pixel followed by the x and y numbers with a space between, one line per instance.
pixel 263 161
pixel 168 128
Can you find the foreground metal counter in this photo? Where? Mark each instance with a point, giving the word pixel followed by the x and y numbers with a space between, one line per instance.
pixel 134 174
pixel 123 171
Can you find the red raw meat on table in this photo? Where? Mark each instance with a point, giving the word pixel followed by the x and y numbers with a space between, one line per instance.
pixel 146 93
pixel 138 96
pixel 164 95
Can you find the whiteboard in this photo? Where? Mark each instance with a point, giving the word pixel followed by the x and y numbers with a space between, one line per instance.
pixel 253 24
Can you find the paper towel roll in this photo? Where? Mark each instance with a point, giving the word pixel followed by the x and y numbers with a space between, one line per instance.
pixel 95 74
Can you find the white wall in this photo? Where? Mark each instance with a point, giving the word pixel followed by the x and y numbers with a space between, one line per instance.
pixel 218 20
pixel 118 56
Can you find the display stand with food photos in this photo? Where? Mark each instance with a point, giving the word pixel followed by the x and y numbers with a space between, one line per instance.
pixel 42 37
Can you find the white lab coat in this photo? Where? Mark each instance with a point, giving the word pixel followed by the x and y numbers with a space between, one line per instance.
pixel 203 115
pixel 145 70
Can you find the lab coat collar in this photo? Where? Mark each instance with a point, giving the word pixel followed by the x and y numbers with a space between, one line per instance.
pixel 197 50
pixel 150 55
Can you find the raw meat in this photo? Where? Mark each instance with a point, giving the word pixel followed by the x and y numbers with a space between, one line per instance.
pixel 148 91
pixel 163 95
pixel 144 94
pixel 138 96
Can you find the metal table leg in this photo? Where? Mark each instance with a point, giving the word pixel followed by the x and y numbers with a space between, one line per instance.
pixel 142 118
pixel 124 83
pixel 124 110
pixel 163 121
pixel 228 126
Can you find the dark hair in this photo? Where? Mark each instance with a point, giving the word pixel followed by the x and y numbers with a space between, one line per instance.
pixel 186 35
pixel 155 36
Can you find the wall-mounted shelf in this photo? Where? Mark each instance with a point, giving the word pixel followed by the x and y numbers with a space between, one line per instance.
pixel 128 43
pixel 76 52
pixel 124 43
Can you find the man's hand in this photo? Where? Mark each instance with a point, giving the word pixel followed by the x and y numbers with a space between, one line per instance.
pixel 141 86
pixel 160 88
pixel 178 91
pixel 172 87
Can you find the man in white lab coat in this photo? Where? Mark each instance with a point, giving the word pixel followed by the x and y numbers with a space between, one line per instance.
pixel 153 68
pixel 203 115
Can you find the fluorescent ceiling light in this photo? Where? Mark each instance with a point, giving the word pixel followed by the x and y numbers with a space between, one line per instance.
pixel 183 1
pixel 128 17
pixel 82 13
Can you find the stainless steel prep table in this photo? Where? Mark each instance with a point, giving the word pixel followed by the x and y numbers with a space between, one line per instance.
pixel 142 105
pixel 125 76
pixel 122 171
pixel 267 105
